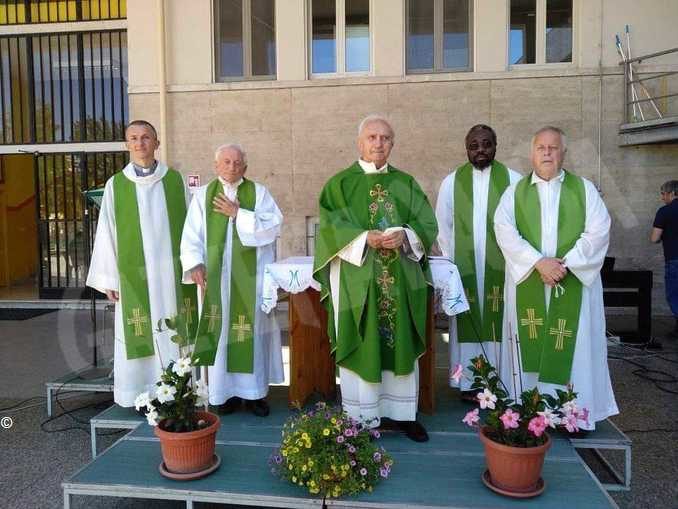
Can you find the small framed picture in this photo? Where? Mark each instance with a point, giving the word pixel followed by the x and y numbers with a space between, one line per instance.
pixel 193 181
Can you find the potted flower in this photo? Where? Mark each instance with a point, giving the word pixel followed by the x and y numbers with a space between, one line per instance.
pixel 514 432
pixel 330 454
pixel 187 434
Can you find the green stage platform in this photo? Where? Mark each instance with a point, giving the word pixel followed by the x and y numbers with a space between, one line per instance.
pixel 442 473
pixel 87 380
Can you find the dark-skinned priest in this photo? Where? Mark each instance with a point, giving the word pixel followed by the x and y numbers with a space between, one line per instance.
pixel 376 228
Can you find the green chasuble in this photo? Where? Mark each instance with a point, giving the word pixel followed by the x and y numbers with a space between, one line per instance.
pixel 243 289
pixel 134 297
pixel 547 339
pixel 474 327
pixel 382 308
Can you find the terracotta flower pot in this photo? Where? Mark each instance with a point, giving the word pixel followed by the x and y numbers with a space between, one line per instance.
pixel 189 452
pixel 514 469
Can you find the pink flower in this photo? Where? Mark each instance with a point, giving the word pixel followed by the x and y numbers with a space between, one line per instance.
pixel 570 423
pixel 471 418
pixel 584 415
pixel 456 374
pixel 537 425
pixel 510 419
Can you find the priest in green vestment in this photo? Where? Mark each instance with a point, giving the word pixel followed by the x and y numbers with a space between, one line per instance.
pixel 467 200
pixel 376 228
pixel 229 237
pixel 135 262
pixel 554 229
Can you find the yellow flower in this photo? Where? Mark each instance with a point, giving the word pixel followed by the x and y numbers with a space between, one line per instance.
pixel 304 468
pixel 308 444
pixel 284 452
pixel 326 477
pixel 333 420
pixel 294 478
pixel 314 490
pixel 326 432
pixel 310 463
pixel 304 436
pixel 290 466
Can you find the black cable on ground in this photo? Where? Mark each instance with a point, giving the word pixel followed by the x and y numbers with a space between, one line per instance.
pixel 655 376
pixel 70 413
pixel 21 403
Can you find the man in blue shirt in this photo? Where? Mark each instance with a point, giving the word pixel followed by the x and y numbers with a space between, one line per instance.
pixel 665 229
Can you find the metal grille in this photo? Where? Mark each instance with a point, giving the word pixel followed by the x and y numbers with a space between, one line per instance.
pixel 19 12
pixel 63 88
pixel 64 233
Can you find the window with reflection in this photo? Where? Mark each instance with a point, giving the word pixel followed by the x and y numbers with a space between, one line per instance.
pixel 540 32
pixel 558 31
pixel 335 25
pixel 438 35
pixel 245 39
pixel 324 37
pixel 523 31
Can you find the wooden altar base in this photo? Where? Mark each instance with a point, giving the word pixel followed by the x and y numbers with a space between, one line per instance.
pixel 442 473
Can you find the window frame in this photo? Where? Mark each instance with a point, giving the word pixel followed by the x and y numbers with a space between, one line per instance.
pixel 340 42
pixel 540 43
pixel 438 40
pixel 246 46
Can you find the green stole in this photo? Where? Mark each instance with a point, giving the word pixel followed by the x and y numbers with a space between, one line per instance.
pixel 134 297
pixel 240 346
pixel 382 306
pixel 472 327
pixel 548 338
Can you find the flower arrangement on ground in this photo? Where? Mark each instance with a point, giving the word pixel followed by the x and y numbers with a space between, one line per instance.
pixel 330 454
pixel 173 405
pixel 519 423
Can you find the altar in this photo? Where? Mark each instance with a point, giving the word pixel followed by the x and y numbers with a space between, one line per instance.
pixel 312 369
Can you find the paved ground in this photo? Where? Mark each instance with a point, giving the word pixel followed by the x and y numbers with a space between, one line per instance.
pixel 37 455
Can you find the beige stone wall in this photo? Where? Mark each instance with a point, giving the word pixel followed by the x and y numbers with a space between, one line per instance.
pixel 298 137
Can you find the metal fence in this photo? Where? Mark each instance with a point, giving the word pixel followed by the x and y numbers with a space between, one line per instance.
pixel 60 88
pixel 648 96
pixel 18 12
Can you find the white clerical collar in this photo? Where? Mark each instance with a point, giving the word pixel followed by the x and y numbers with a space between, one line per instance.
pixel 142 171
pixel 371 167
pixel 228 185
pixel 482 169
pixel 537 179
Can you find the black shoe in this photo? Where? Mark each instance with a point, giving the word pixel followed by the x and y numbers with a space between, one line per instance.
pixel 231 405
pixel 258 407
pixel 414 431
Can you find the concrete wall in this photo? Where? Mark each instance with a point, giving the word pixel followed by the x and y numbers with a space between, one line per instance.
pixel 298 132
